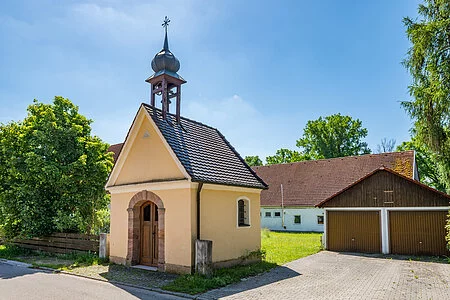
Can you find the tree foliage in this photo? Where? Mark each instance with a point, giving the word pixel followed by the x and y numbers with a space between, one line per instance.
pixel 52 171
pixel 386 145
pixel 286 156
pixel 428 61
pixel 333 136
pixel 426 167
pixel 253 161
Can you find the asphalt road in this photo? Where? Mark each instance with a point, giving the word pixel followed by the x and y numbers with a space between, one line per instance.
pixel 19 282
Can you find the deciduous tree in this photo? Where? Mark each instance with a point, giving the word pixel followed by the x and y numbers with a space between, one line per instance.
pixel 286 156
pixel 333 136
pixel 253 161
pixel 52 171
pixel 386 145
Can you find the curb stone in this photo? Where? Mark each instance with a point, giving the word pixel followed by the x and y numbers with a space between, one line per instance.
pixel 46 269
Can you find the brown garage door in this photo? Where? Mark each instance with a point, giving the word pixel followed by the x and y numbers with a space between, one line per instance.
pixel 417 232
pixel 354 231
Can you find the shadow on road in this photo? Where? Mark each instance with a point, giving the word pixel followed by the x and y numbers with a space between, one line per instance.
pixel 8 271
pixel 139 277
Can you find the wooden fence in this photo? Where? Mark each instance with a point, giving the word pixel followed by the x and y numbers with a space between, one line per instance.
pixel 61 243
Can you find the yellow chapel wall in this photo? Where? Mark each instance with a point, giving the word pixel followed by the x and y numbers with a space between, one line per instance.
pixel 219 223
pixel 178 228
pixel 148 158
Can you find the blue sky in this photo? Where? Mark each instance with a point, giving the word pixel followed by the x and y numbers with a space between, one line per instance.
pixel 256 70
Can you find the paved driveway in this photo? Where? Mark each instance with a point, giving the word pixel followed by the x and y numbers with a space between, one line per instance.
pixel 330 275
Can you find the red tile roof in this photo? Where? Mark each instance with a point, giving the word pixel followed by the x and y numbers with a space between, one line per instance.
pixel 116 148
pixel 308 183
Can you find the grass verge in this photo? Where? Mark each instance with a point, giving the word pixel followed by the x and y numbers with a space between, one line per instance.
pixel 50 260
pixel 10 252
pixel 195 284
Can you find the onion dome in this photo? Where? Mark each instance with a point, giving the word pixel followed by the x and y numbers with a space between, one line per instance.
pixel 164 59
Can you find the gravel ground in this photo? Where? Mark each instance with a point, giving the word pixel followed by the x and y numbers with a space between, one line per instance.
pixel 125 274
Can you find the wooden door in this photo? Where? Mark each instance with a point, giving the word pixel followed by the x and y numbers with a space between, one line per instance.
pixel 354 231
pixel 418 232
pixel 149 234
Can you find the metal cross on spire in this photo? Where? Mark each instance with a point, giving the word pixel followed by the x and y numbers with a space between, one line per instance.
pixel 165 24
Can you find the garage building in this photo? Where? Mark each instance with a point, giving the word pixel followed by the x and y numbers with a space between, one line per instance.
pixel 385 212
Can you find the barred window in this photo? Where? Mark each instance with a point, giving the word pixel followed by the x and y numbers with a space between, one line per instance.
pixel 243 216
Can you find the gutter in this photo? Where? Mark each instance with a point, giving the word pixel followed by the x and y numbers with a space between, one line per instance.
pixel 199 189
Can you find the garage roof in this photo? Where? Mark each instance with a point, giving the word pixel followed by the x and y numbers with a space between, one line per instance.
pixel 410 193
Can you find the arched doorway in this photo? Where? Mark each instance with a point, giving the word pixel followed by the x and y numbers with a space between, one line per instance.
pixel 146 215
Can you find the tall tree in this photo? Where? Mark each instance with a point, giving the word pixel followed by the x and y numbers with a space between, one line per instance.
pixel 286 156
pixel 253 161
pixel 428 61
pixel 52 171
pixel 333 136
pixel 386 145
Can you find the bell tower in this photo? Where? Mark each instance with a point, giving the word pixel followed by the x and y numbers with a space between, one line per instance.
pixel 166 82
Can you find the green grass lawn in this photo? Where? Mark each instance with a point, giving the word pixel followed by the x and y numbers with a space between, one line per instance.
pixel 49 260
pixel 283 247
pixel 277 248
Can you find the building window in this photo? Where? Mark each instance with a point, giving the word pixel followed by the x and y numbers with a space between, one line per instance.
pixel 268 214
pixel 277 214
pixel 319 219
pixel 243 216
pixel 297 219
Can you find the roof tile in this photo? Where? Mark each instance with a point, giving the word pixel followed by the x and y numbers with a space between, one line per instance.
pixel 307 183
pixel 203 151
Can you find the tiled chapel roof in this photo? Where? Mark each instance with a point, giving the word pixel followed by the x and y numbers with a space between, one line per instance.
pixel 203 151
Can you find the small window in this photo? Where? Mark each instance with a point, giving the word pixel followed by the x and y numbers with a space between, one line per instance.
pixel 243 217
pixel 319 219
pixel 147 213
pixel 297 219
pixel 277 214
pixel 268 214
